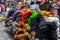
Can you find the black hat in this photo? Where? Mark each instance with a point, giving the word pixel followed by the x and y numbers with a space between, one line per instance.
pixel 38 2
pixel 32 3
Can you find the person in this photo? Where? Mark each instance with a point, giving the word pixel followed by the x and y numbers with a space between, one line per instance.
pixel 38 3
pixel 34 6
pixel 42 6
pixel 27 4
pixel 19 5
pixel 18 12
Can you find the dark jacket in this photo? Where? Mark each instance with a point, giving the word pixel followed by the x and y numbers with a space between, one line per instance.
pixel 43 7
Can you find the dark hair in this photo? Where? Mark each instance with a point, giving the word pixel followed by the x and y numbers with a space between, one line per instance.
pixel 47 2
pixel 38 2
pixel 32 3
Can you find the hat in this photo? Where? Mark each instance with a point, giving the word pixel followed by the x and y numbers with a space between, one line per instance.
pixel 19 3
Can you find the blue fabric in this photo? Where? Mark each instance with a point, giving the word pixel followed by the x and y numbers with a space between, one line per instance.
pixel 14 13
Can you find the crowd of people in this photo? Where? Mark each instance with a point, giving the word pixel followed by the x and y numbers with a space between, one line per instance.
pixel 36 22
pixel 38 5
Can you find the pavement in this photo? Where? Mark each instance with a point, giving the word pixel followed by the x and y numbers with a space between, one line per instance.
pixel 58 39
pixel 3 34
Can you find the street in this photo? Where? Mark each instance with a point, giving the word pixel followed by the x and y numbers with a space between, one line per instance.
pixel 3 34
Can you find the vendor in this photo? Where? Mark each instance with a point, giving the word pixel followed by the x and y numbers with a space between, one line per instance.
pixel 27 4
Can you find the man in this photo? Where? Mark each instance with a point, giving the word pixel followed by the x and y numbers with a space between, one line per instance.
pixel 34 6
pixel 27 4
pixel 42 6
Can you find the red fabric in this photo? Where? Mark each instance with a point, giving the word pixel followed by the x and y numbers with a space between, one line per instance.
pixel 17 13
pixel 25 16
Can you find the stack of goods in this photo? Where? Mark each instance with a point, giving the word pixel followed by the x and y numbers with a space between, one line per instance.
pixel 24 32
pixel 29 23
pixel 43 14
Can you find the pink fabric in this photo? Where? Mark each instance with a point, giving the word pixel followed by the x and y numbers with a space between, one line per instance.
pixel 59 3
pixel 3 7
pixel 42 1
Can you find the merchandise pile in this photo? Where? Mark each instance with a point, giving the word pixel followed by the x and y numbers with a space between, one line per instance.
pixel 27 22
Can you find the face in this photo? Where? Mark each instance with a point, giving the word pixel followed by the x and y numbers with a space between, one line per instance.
pixel 19 5
pixel 27 2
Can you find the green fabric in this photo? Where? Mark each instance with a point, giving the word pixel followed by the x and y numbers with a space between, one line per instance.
pixel 59 18
pixel 40 13
pixel 34 12
pixel 33 16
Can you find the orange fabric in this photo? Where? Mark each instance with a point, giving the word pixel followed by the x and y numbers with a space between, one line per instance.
pixel 44 13
pixel 51 14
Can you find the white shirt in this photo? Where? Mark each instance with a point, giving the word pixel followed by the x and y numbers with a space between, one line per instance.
pixel 34 6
